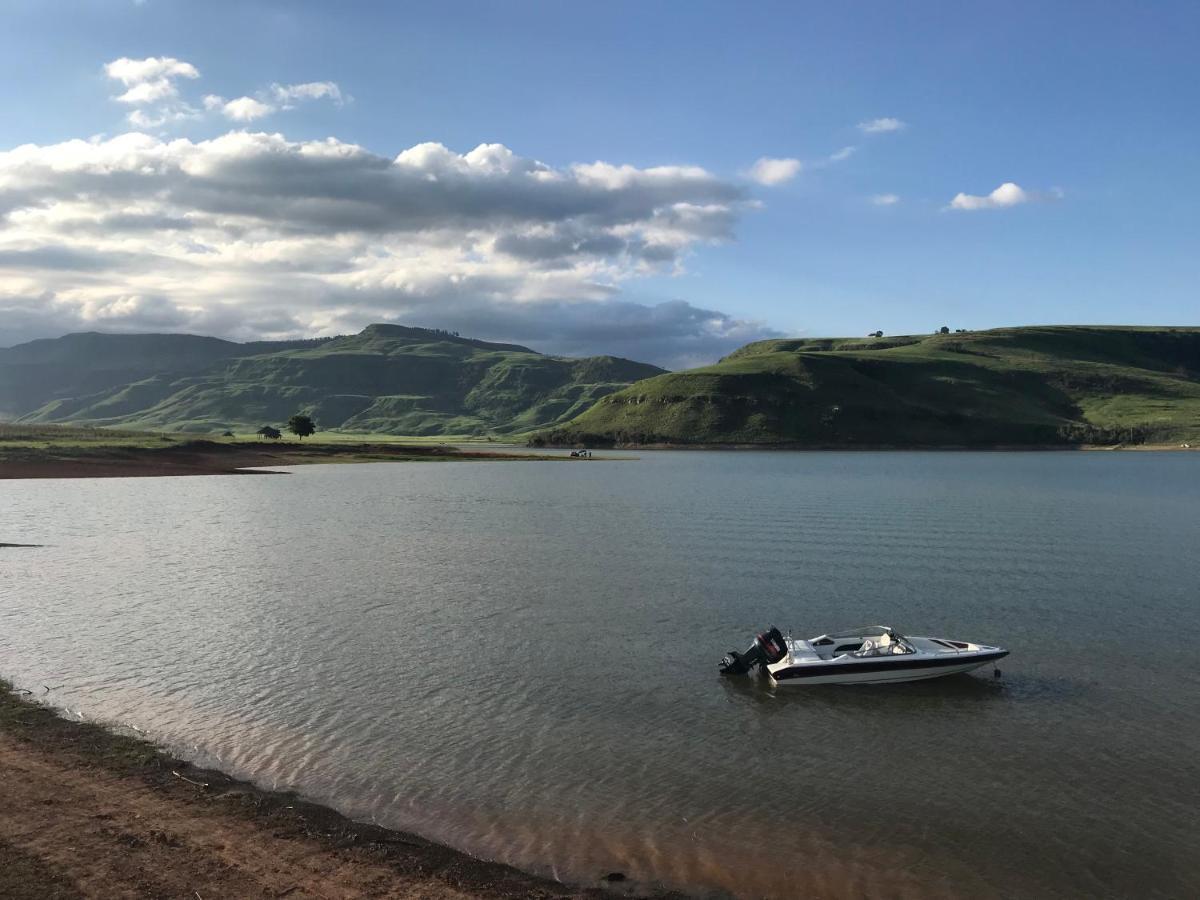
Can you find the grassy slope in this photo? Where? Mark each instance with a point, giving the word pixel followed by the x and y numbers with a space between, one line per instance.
pixel 387 379
pixel 1040 385
pixel 52 371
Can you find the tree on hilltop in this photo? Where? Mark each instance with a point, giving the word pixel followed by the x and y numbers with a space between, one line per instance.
pixel 301 425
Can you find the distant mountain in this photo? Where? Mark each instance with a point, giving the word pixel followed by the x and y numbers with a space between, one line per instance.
pixel 1009 386
pixel 386 379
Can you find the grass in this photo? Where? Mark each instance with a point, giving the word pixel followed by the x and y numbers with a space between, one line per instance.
pixel 55 450
pixel 18 438
pixel 1019 386
pixel 27 720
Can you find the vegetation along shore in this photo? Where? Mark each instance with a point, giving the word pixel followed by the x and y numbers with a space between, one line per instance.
pixel 64 452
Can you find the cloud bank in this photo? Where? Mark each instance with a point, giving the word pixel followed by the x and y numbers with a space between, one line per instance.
pixel 250 235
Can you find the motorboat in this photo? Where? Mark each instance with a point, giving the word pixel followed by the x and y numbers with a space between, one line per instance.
pixel 873 654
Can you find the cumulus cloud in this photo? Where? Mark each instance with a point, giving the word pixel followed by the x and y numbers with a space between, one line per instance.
pixel 885 199
pixel 280 97
pixel 245 109
pixel 1008 194
pixel 150 85
pixel 251 235
pixel 148 79
pixel 768 171
pixel 880 126
pixel 843 154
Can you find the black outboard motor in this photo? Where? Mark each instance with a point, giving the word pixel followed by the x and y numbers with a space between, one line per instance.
pixel 768 647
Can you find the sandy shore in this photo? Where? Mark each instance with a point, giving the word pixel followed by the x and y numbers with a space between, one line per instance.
pixel 215 458
pixel 88 813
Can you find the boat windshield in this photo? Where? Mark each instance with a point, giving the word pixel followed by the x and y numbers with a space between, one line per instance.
pixel 890 644
pixel 867 631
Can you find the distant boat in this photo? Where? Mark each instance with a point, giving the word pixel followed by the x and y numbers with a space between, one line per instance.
pixel 874 654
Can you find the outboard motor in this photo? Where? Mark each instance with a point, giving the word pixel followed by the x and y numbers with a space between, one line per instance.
pixel 768 647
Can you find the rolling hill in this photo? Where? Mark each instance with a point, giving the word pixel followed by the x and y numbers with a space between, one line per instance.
pixel 76 365
pixel 1009 386
pixel 386 379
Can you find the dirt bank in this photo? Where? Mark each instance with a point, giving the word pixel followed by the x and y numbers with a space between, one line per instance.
pixel 87 813
pixel 216 458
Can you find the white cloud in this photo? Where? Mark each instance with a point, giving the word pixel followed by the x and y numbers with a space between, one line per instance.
pixel 885 199
pixel 880 126
pixel 132 72
pixel 150 86
pixel 770 171
pixel 245 109
pixel 288 94
pixel 252 235
pixel 283 97
pixel 843 154
pixel 1008 194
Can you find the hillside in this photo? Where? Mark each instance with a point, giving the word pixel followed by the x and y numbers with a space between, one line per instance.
pixel 41 371
pixel 386 379
pixel 1009 386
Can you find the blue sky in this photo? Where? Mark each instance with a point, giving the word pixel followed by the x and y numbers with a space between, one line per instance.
pixel 1087 110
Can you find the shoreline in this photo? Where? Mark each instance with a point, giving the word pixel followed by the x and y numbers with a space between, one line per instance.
pixel 85 811
pixel 881 448
pixel 205 457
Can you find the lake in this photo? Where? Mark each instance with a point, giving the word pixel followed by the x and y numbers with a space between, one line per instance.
pixel 520 658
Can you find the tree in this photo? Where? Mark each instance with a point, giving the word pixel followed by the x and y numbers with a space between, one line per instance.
pixel 301 425
pixel 945 329
pixel 268 432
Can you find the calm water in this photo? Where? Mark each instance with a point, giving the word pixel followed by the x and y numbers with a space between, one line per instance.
pixel 520 658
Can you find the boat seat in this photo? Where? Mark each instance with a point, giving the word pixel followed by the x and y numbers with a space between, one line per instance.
pixel 876 646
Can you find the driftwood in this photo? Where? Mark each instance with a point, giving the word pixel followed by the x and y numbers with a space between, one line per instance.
pixel 203 785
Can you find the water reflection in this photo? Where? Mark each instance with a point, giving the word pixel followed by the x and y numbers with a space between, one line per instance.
pixel 520 659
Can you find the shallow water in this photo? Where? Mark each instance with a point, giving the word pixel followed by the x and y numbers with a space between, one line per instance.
pixel 519 658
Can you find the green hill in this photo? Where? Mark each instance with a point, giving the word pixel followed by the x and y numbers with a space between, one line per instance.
pixel 1009 386
pixel 42 371
pixel 386 379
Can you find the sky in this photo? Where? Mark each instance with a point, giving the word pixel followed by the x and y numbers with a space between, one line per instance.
pixel 664 181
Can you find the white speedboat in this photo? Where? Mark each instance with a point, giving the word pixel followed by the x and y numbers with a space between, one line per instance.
pixel 874 654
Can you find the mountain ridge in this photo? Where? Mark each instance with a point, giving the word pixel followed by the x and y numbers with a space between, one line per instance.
pixel 385 379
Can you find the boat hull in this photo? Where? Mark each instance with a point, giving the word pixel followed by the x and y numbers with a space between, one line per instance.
pixel 883 671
